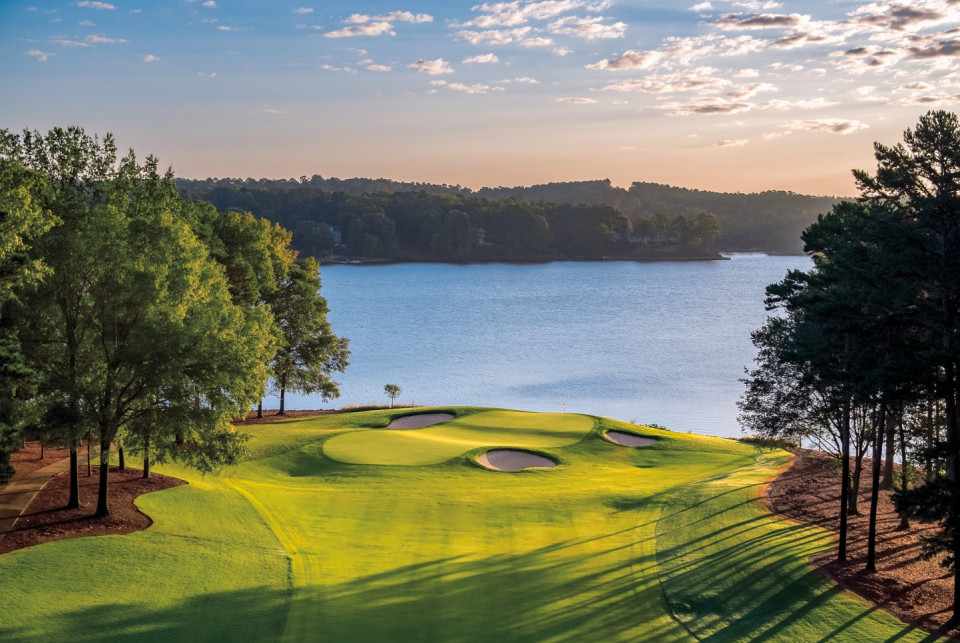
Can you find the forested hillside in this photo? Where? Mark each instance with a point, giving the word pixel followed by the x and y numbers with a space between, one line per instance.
pixel 589 219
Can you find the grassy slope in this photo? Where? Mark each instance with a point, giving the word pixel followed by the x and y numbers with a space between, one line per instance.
pixel 436 444
pixel 447 552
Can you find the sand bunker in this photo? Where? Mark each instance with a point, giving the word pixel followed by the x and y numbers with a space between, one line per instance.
pixel 628 439
pixel 419 421
pixel 507 460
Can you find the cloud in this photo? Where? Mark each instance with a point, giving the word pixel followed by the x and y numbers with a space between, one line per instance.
pixel 587 28
pixel 473 89
pixel 63 42
pixel 828 125
pixel 39 55
pixel 86 23
pixel 495 36
pixel 807 103
pixel 512 14
pixel 210 75
pixel 929 100
pixel 270 110
pixel 703 6
pixel 432 67
pixel 629 60
pixel 740 142
pixel 209 4
pixel 150 58
pixel 482 59
pixel 327 67
pixel 526 80
pixel 899 17
pixel 303 10
pixel 392 16
pixel 750 90
pixel 699 79
pixel 368 29
pixel 577 101
pixel 96 5
pixel 747 73
pixel 760 21
pixel 705 107
pixel 102 40
pixel 939 49
pixel 377 67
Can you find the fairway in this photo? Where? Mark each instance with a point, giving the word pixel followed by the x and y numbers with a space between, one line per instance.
pixel 303 543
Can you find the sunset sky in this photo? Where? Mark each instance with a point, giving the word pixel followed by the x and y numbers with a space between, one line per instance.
pixel 721 95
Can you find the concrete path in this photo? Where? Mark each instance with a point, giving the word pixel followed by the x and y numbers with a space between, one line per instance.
pixel 15 497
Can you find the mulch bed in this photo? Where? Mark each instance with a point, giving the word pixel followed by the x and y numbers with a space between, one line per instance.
pixel 27 460
pixel 273 415
pixel 919 592
pixel 45 519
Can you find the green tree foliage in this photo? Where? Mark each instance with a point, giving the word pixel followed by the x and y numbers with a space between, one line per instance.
pixel 392 391
pixel 137 319
pixel 22 219
pixel 876 319
pixel 308 353
pixel 770 221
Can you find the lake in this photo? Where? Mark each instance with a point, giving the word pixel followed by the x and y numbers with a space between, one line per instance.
pixel 660 343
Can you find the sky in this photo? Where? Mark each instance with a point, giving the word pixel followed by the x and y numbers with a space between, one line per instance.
pixel 736 96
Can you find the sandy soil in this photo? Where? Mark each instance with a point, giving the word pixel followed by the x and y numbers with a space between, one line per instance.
pixel 917 591
pixel 508 460
pixel 628 439
pixel 45 519
pixel 419 421
pixel 272 416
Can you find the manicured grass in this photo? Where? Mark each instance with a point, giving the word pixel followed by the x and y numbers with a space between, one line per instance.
pixel 439 443
pixel 295 545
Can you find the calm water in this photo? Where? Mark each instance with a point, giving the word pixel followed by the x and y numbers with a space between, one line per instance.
pixel 646 342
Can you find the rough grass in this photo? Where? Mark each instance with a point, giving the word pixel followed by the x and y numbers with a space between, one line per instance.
pixel 294 545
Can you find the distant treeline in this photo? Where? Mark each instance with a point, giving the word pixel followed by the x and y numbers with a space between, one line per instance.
pixel 588 219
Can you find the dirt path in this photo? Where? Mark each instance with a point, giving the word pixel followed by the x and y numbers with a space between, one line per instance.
pixel 15 497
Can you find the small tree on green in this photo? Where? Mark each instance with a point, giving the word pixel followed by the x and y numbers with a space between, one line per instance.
pixel 392 391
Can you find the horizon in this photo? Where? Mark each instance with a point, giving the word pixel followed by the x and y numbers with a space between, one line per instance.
pixel 724 95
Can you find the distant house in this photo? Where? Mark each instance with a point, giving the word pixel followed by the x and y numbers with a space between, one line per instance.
pixel 336 235
pixel 479 236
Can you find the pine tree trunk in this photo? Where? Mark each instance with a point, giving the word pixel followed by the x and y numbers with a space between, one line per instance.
pixel 74 500
pixel 260 409
pixel 282 393
pixel 146 457
pixel 103 508
pixel 121 463
pixel 845 481
pixel 89 448
pixel 853 501
pixel 878 436
pixel 41 449
pixel 904 478
pixel 888 472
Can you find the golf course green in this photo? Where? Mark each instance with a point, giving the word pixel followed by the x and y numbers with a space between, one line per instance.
pixel 338 529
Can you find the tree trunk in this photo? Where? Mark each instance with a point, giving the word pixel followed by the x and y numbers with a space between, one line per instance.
pixel 260 408
pixel 878 435
pixel 930 439
pixel 89 448
pixel 146 457
pixel 888 475
pixel 904 478
pixel 853 500
pixel 121 463
pixel 103 509
pixel 953 472
pixel 282 393
pixel 845 480
pixel 41 449
pixel 74 501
